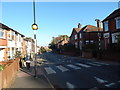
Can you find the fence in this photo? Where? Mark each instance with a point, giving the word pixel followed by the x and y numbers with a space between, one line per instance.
pixel 7 75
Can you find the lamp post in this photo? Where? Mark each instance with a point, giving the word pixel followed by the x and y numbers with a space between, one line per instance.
pixel 98 25
pixel 35 27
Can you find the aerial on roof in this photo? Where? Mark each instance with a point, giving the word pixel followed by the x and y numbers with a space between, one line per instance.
pixel 114 14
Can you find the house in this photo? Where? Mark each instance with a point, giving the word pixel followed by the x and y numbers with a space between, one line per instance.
pixel 89 35
pixel 30 49
pixel 74 36
pixel 11 41
pixel 3 42
pixel 62 42
pixel 111 27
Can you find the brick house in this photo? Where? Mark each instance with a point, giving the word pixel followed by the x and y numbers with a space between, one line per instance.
pixel 62 42
pixel 11 41
pixel 3 42
pixel 111 27
pixel 74 37
pixel 89 35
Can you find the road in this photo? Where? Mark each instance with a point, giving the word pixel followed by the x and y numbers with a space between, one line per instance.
pixel 72 72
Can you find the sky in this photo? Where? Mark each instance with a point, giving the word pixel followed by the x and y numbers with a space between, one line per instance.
pixel 53 18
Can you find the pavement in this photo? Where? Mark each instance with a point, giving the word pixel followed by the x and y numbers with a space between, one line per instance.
pixel 26 79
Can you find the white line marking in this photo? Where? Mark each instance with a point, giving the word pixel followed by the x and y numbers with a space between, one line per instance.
pixel 83 65
pixel 119 81
pixel 100 80
pixel 93 64
pixel 110 84
pixel 49 70
pixel 63 69
pixel 73 66
pixel 69 85
pixel 101 63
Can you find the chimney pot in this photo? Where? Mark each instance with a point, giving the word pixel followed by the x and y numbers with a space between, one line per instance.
pixel 79 25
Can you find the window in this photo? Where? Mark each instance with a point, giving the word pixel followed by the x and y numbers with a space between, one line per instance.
pixel 106 26
pixel 118 23
pixel 91 41
pixel 2 33
pixel 76 45
pixel 76 36
pixel 87 42
pixel 12 35
pixel 115 37
pixel 80 36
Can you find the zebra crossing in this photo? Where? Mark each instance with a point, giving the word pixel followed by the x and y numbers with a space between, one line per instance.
pixel 69 67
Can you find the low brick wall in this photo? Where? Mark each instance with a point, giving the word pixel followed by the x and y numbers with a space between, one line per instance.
pixel 7 75
pixel 86 55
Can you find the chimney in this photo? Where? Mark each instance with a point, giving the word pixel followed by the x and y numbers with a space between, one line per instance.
pixel 79 25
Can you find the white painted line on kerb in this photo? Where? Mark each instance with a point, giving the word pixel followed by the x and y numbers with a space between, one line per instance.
pixel 63 69
pixel 110 84
pixel 69 85
pixel 49 70
pixel 73 66
pixel 100 80
pixel 83 65
pixel 93 64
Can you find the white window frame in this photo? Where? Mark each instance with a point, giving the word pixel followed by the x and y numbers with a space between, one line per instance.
pixel 106 29
pixel 3 34
pixel 80 35
pixel 117 27
pixel 92 41
pixel 76 45
pixel 87 41
pixel 75 36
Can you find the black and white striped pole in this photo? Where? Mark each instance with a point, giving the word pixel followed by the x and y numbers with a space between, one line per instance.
pixel 99 36
pixel 35 27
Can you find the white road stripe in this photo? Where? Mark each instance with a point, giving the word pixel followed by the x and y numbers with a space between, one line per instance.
pixel 100 80
pixel 101 63
pixel 93 64
pixel 110 84
pixel 83 65
pixel 63 69
pixel 49 70
pixel 119 81
pixel 73 66
pixel 69 85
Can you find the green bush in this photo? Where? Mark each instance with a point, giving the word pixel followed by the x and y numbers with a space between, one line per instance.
pixel 2 67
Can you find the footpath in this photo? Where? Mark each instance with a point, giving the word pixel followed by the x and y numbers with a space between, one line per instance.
pixel 26 79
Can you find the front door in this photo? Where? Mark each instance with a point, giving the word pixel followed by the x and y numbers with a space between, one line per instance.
pixel 1 54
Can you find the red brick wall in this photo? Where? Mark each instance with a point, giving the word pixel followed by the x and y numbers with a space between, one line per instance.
pixel 112 25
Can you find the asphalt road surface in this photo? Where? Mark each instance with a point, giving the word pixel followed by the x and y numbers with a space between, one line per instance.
pixel 72 72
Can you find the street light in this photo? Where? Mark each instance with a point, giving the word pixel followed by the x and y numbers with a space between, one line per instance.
pixel 35 27
pixel 98 25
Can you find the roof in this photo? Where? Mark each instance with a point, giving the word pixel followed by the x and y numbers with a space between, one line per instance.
pixel 114 14
pixel 4 26
pixel 8 28
pixel 90 28
pixel 60 41
pixel 76 30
